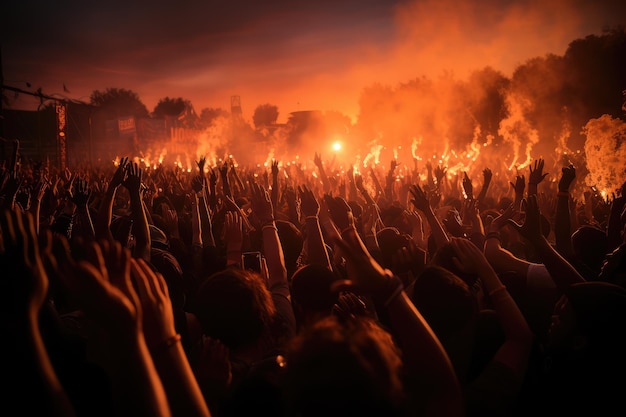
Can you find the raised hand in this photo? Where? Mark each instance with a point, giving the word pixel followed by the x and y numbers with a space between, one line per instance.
pixel 440 173
pixel 197 183
pixel 25 281
pixel 156 305
pixel 261 204
pixel 536 174
pixel 233 231
pixel 531 229
pixel 487 175
pixel 420 199
pixel 467 186
pixel 274 168
pixel 568 175
pixel 309 206
pixel 340 212
pixel 134 175
pixel 80 193
pixel 518 187
pixel 201 163
pixel 317 160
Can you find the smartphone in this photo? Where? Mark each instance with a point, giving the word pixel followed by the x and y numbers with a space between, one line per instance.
pixel 252 261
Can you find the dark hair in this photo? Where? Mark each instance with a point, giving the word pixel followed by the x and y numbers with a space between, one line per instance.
pixel 339 368
pixel 234 306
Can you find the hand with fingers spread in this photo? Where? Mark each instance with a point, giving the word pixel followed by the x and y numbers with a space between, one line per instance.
pixel 156 305
pixel 536 175
pixel 134 175
pixel 80 193
pixel 467 186
pixel 25 285
pixel 21 264
pixel 120 174
pixel 518 187
pixel 261 204
pixel 420 199
pixel 340 212
pixel 531 228
pixel 183 392
pixel 201 162
pixel 309 206
pixel 233 234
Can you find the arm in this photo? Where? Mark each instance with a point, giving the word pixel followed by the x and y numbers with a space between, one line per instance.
pixel 83 225
pixel 487 175
pixel 563 273
pixel 562 221
pixel 316 248
pixel 183 392
pixel 102 224
pixel 536 176
pixel 615 227
pixel 515 351
pixel 140 221
pixel 26 368
pixel 102 286
pixel 274 194
pixel 421 202
pixel 272 249
pixel 424 356
pixel 389 179
pixel 320 166
pixel 233 235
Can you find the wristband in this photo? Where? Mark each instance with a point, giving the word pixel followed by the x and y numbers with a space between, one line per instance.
pixel 311 217
pixel 495 235
pixel 562 194
pixel 168 343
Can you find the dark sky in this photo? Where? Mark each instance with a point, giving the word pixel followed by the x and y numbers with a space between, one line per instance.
pixel 299 55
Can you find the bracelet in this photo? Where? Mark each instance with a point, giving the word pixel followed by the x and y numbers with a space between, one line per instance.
pixel 311 217
pixel 168 343
pixel 562 194
pixel 269 226
pixel 496 290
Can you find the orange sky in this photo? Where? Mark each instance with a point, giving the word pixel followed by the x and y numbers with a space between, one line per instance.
pixel 294 54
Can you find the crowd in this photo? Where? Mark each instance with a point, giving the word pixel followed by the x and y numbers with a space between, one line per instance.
pixel 232 291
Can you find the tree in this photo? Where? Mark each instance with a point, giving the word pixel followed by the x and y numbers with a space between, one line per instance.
pixel 119 102
pixel 170 107
pixel 265 114
pixel 210 114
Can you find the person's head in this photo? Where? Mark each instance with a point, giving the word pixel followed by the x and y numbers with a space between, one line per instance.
pixel 311 291
pixel 590 246
pixel 390 241
pixel 234 306
pixel 450 308
pixel 590 321
pixel 339 368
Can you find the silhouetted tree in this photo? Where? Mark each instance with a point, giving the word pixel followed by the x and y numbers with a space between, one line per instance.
pixel 119 102
pixel 210 114
pixel 265 114
pixel 172 107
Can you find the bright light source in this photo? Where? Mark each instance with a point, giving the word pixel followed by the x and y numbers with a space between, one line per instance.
pixel 337 146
